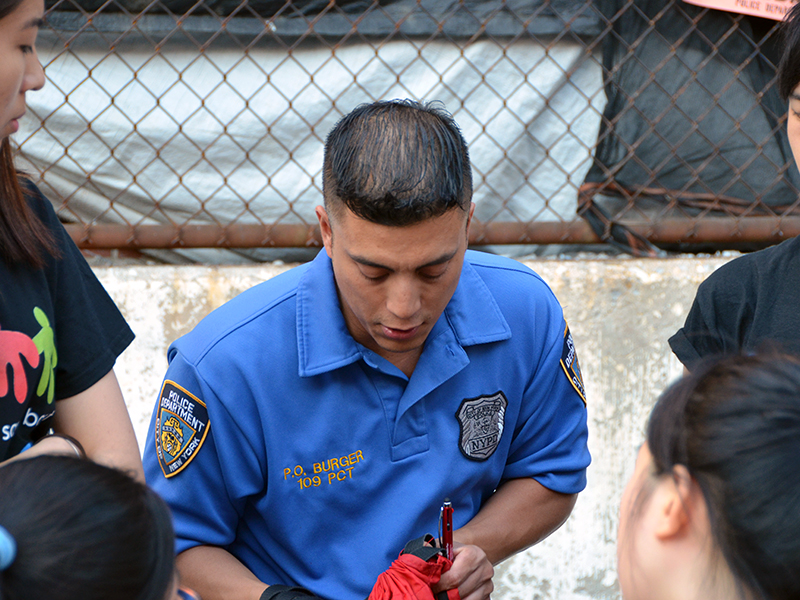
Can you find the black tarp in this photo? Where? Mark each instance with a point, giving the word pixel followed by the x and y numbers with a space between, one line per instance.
pixel 693 124
pixel 453 18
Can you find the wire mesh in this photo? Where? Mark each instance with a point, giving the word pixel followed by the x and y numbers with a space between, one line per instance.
pixel 182 124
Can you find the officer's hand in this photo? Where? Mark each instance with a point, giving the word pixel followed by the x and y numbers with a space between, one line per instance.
pixel 471 573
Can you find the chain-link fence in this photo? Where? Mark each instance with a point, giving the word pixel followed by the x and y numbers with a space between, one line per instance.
pixel 180 124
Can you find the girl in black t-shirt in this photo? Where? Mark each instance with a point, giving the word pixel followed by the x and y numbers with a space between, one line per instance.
pixel 60 332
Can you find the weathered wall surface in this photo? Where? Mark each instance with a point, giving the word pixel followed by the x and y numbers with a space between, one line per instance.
pixel 621 313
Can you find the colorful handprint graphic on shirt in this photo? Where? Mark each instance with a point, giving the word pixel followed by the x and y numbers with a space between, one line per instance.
pixel 13 347
pixel 46 345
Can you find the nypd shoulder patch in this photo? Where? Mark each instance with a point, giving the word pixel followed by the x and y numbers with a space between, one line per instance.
pixel 181 428
pixel 481 421
pixel 569 362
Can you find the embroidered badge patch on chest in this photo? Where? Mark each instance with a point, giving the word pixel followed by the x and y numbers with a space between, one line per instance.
pixel 569 362
pixel 481 420
pixel 181 428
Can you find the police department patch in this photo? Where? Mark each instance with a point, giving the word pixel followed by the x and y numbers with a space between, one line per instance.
pixel 569 362
pixel 181 428
pixel 481 420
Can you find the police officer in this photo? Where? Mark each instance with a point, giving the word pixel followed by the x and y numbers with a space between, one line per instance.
pixel 310 427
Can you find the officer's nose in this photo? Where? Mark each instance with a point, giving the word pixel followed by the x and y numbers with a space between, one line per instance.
pixel 404 299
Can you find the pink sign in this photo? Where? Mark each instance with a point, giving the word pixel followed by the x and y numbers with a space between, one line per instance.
pixel 771 9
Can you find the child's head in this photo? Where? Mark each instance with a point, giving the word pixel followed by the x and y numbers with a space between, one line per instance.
pixel 714 505
pixel 75 530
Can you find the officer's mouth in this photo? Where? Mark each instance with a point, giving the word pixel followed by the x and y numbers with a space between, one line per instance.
pixel 400 334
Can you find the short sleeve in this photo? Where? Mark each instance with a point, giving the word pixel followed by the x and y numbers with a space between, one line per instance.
pixel 550 442
pixel 90 332
pixel 721 314
pixel 191 437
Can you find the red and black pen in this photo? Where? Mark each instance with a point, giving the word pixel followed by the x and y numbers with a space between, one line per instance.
pixel 446 518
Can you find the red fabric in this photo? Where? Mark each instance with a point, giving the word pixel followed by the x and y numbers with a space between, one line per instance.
pixel 411 578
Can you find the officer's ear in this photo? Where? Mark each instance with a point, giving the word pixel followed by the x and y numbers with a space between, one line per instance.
pixel 325 229
pixel 469 218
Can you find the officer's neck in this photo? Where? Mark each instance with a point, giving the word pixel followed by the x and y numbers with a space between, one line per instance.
pixel 405 361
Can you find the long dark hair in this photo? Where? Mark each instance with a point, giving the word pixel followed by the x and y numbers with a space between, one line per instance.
pixel 83 532
pixel 23 237
pixel 734 423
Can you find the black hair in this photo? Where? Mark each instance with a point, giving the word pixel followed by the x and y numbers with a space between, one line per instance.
pixel 734 423
pixel 83 532
pixel 8 6
pixel 789 66
pixel 397 163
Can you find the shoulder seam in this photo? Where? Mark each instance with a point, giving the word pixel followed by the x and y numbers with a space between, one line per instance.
pixel 222 335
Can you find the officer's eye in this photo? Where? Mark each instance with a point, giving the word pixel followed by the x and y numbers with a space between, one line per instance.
pixel 373 274
pixel 433 273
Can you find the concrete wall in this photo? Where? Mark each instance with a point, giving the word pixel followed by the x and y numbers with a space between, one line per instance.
pixel 621 312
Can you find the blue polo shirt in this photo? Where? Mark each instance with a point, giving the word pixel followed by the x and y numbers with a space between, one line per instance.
pixel 313 460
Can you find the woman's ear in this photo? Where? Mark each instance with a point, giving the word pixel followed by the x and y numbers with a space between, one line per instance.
pixel 677 499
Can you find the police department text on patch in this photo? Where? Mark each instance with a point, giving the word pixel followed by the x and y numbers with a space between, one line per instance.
pixel 570 365
pixel 181 428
